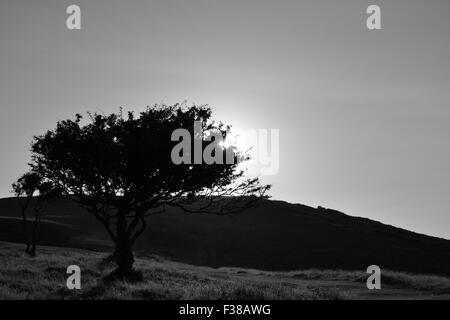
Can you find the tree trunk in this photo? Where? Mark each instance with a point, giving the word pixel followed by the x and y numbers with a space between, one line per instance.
pixel 37 220
pixel 24 225
pixel 123 254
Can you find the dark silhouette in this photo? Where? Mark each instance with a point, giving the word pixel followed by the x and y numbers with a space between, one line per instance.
pixel 275 235
pixel 25 189
pixel 119 168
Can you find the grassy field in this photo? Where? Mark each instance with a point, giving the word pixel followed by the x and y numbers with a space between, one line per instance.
pixel 44 277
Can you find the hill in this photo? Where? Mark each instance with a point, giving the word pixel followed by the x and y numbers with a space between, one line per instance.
pixel 274 236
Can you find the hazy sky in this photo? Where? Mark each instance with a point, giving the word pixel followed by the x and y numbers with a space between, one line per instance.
pixel 363 115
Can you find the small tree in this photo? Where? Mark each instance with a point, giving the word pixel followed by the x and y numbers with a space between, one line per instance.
pixel 120 169
pixel 25 189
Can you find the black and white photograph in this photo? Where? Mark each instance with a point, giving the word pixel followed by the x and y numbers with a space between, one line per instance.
pixel 224 150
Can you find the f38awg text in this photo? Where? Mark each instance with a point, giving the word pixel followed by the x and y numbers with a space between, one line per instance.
pixel 226 309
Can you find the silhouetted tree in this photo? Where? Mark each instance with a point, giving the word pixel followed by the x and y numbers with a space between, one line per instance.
pixel 120 169
pixel 33 192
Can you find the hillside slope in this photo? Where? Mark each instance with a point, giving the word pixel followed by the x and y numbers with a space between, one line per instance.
pixel 274 236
